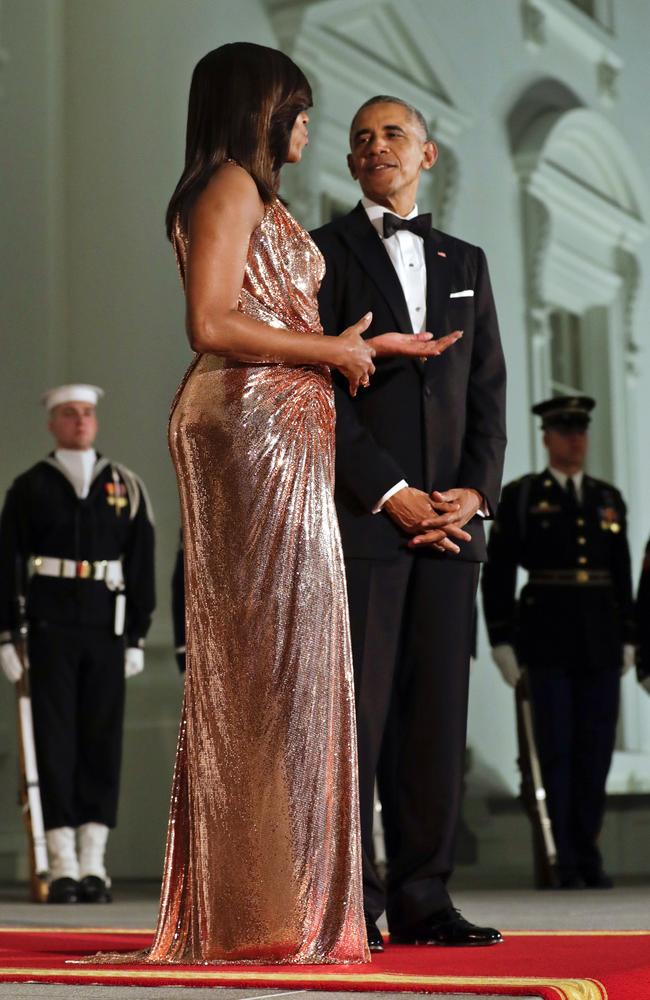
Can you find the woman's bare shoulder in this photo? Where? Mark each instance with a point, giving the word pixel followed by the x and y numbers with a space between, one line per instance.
pixel 230 192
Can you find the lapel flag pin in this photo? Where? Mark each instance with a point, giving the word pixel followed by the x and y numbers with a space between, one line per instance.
pixel 441 253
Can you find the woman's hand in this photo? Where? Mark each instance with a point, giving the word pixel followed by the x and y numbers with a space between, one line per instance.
pixel 354 355
pixel 412 345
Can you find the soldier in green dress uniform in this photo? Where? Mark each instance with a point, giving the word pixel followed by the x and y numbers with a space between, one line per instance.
pixel 643 623
pixel 572 627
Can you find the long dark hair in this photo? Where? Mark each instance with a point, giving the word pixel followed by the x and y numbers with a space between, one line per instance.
pixel 244 100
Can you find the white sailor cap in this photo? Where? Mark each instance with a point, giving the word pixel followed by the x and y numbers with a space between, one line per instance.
pixel 77 392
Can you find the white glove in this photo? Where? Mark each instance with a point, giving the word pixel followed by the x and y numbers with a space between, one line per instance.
pixel 10 662
pixel 133 661
pixel 629 657
pixel 506 660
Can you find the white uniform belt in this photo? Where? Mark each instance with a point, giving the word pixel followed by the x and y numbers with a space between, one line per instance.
pixel 107 570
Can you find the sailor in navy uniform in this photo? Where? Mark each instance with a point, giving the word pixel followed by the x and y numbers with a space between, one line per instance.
pixel 572 628
pixel 77 539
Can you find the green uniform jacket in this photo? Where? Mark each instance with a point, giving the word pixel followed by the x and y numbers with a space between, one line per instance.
pixel 576 611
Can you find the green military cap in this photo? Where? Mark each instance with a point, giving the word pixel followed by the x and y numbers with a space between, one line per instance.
pixel 565 412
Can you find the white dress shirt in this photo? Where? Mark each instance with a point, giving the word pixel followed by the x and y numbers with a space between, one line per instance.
pixel 79 465
pixel 561 478
pixel 406 251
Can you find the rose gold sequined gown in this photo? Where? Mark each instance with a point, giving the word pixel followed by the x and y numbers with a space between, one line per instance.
pixel 263 850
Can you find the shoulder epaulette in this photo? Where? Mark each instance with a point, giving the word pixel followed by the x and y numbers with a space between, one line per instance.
pixel 528 477
pixel 603 485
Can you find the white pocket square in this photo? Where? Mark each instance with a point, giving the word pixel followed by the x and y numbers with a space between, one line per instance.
pixel 462 295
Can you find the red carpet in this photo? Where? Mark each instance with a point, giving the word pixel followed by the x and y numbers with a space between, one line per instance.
pixel 562 965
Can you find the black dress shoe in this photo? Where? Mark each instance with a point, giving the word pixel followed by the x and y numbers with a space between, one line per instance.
pixel 570 881
pixel 449 929
pixel 94 890
pixel 375 940
pixel 597 879
pixel 63 890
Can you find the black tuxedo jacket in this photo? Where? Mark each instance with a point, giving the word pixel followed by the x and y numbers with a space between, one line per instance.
pixel 437 424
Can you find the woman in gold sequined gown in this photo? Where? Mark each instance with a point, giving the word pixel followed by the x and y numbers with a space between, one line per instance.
pixel 263 851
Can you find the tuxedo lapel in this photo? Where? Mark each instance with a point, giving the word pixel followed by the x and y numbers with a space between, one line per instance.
pixel 366 244
pixel 438 287
pixel 438 284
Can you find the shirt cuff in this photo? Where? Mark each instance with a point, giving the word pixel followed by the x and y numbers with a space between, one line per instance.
pixel 394 489
pixel 484 510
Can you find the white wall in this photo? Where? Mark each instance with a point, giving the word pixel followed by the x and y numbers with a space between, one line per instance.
pixel 31 287
pixel 31 214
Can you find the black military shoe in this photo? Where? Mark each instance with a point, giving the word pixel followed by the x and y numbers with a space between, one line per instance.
pixel 570 880
pixel 597 879
pixel 63 890
pixel 94 890
pixel 375 940
pixel 449 929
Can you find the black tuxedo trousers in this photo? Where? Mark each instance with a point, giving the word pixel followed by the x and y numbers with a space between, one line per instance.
pixel 411 623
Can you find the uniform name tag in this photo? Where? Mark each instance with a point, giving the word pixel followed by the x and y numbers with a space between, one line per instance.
pixel 544 507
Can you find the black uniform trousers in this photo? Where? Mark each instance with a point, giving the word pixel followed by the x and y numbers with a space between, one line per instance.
pixel 575 714
pixel 411 624
pixel 78 687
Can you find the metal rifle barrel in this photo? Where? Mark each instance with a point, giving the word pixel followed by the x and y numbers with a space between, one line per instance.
pixel 30 791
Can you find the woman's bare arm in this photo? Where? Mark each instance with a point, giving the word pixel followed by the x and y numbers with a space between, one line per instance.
pixel 221 224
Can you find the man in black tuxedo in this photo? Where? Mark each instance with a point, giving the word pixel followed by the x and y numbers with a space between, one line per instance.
pixel 419 456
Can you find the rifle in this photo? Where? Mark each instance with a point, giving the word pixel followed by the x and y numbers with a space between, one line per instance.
pixel 29 795
pixel 533 793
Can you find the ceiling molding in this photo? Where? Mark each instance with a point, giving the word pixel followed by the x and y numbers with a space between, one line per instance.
pixel 545 21
pixel 585 218
pixel 351 50
pixel 357 48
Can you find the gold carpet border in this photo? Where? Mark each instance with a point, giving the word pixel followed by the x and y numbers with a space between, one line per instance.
pixel 149 930
pixel 635 933
pixel 76 930
pixel 566 989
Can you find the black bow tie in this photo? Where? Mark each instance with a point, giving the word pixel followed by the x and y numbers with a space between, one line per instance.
pixel 420 225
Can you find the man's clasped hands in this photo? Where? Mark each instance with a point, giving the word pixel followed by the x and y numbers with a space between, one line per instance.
pixel 436 520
